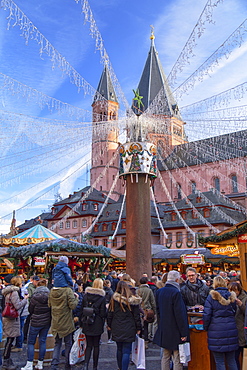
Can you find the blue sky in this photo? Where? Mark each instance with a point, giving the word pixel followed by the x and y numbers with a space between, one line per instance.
pixel 36 151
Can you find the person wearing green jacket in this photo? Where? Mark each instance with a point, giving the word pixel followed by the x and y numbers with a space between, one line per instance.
pixel 62 301
pixel 148 303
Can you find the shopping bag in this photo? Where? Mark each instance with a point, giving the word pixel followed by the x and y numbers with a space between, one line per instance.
pixel 184 352
pixel 77 352
pixel 138 353
pixel 244 365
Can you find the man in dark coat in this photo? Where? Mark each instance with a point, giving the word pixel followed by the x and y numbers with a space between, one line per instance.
pixel 194 291
pixel 173 326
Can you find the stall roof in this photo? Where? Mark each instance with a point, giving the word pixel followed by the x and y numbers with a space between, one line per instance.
pixel 176 253
pixel 161 252
pixel 57 245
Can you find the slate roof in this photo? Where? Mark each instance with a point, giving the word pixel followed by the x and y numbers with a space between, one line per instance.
pixel 35 221
pixel 95 195
pixel 153 79
pixel 215 216
pixel 111 214
pixel 105 87
pixel 222 147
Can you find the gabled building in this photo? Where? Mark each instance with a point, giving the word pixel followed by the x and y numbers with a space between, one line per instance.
pixel 71 219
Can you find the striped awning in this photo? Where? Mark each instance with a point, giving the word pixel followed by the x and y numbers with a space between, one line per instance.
pixel 36 234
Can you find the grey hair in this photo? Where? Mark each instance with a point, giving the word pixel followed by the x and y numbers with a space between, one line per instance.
pixel 173 275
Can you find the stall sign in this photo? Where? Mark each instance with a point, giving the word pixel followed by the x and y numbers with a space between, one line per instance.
pixel 230 250
pixel 242 238
pixel 192 259
pixel 39 261
pixel 212 245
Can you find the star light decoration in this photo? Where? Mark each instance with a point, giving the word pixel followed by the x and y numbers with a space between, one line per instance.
pixel 138 98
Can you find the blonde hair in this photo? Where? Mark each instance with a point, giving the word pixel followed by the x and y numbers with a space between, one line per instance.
pixel 16 280
pixel 219 282
pixel 159 284
pixel 98 283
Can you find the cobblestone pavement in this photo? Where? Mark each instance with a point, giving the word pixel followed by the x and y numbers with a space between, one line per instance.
pixel 107 360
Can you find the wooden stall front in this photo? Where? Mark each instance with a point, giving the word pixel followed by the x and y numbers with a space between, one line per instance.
pixel 201 357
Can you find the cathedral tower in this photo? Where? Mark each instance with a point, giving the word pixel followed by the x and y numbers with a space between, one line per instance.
pixel 105 136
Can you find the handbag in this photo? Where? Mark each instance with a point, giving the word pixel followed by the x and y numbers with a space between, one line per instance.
pixel 10 312
pixel 148 315
pixel 77 352
pixel 138 353
pixel 184 352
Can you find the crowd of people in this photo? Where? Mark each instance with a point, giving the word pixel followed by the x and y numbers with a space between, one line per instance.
pixel 154 308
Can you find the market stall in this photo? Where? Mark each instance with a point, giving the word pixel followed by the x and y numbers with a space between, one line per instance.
pixel 231 242
pixel 36 234
pixel 83 256
pixel 199 258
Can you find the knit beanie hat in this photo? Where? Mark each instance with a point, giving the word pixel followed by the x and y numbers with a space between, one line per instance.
pixel 64 259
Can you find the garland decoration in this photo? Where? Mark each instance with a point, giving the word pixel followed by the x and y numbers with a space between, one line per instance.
pixel 179 244
pixel 56 245
pixel 33 96
pixel 29 31
pixel 99 43
pixel 228 235
pixel 237 38
pixel 187 51
pixel 189 245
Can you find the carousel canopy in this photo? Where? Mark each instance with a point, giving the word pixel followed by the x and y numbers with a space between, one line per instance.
pixel 36 234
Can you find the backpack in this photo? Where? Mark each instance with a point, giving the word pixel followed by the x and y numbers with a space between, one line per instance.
pixel 88 312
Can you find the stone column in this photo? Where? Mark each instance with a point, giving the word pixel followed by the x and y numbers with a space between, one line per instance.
pixel 138 226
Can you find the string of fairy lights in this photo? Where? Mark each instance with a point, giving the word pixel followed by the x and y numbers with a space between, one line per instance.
pixel 46 142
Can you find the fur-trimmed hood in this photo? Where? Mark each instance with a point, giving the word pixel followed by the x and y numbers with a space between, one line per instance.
pixel 133 300
pixel 10 289
pixel 96 291
pixel 222 300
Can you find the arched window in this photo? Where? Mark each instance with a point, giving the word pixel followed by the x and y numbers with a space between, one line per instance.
pixel 234 184
pixel 217 183
pixel 104 227
pixel 193 187
pixel 179 191
pixel 124 224
pixel 206 213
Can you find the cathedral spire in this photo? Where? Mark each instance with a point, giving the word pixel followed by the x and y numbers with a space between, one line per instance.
pixel 105 87
pixel 153 80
